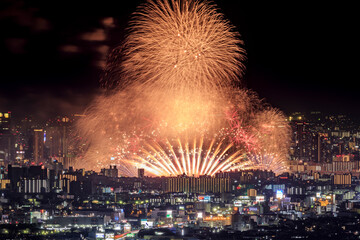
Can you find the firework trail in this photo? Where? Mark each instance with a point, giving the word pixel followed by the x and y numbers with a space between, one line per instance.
pixel 175 109
pixel 196 157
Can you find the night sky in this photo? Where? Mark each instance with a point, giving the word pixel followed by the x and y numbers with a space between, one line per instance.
pixel 301 56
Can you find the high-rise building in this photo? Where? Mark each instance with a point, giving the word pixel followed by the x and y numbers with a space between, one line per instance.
pixel 38 147
pixel 110 172
pixel 14 174
pixel 6 139
pixel 59 136
pixel 141 173
pixel 311 140
pixel 24 140
pixel 302 140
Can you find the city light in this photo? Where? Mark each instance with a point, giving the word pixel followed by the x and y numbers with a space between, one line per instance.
pixel 141 126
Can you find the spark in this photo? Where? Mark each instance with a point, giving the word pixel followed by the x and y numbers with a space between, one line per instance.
pixel 177 158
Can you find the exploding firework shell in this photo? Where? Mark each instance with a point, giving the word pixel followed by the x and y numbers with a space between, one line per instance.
pixel 182 45
pixel 177 111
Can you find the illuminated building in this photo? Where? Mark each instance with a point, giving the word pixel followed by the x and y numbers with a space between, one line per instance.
pixel 69 176
pixel 57 141
pixel 24 140
pixel 54 141
pixel 311 141
pixel 5 122
pixel 342 179
pixel 295 190
pixel 4 183
pixel 251 192
pixel 38 147
pixel 81 221
pixel 34 186
pixel 216 221
pixel 141 173
pixel 110 172
pixel 343 158
pixel 202 184
pixel 342 163
pixel 6 138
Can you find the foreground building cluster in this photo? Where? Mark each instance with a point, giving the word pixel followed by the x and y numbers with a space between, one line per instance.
pixel 38 201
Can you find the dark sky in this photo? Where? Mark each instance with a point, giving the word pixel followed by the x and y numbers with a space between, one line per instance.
pixel 301 56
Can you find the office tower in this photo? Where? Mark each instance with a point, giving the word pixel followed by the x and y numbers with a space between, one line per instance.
pixel 38 146
pixel 61 141
pixel 141 173
pixel 6 139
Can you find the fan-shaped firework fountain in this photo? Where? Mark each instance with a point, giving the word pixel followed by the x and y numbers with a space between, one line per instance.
pixel 175 110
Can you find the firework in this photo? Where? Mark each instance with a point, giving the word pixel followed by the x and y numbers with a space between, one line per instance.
pixel 272 132
pixel 265 162
pixel 182 45
pixel 195 157
pixel 175 110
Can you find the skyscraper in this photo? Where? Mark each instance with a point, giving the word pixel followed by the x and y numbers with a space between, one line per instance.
pixel 38 146
pixel 60 140
pixel 6 139
pixel 141 173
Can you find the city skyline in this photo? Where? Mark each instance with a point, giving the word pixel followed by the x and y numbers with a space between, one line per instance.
pixel 178 119
pixel 297 58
